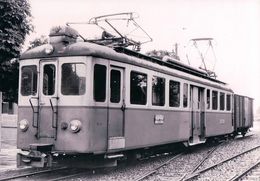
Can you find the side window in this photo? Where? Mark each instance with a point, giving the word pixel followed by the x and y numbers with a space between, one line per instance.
pixel 73 79
pixel 100 77
pixel 115 86
pixel 29 80
pixel 214 100
pixel 208 99
pixel 138 88
pixel 174 93
pixel 48 79
pixel 158 91
pixel 222 101
pixel 228 102
pixel 185 95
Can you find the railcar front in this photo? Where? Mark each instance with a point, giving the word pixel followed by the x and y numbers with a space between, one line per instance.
pixel 53 114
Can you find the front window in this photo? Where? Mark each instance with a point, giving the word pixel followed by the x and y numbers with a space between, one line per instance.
pixel 49 79
pixel 73 79
pixel 29 80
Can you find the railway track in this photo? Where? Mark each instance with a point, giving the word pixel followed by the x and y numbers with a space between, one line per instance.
pixel 150 173
pixel 50 174
pixel 201 162
pixel 147 174
pixel 199 172
pixel 250 173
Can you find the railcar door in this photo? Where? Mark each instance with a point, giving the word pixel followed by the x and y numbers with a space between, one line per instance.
pixel 48 99
pixel 116 108
pixel 198 115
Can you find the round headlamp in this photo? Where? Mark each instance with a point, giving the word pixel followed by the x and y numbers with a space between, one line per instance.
pixel 75 126
pixel 23 125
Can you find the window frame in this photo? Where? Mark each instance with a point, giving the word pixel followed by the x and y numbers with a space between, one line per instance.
pixel 37 80
pixel 61 75
pixel 222 98
pixel 147 87
pixel 106 83
pixel 208 99
pixel 188 95
pixel 230 102
pixel 55 79
pixel 217 100
pixel 163 91
pixel 179 92
pixel 120 85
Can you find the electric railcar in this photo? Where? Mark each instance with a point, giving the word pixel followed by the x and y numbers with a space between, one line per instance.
pixel 85 100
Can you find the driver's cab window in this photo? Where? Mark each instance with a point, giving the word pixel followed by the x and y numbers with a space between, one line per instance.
pixel 73 79
pixel 49 79
pixel 29 80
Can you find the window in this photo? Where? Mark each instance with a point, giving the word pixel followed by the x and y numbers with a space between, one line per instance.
pixel 48 79
pixel 222 101
pixel 208 99
pixel 174 93
pixel 214 100
pixel 138 88
pixel 100 77
pixel 73 79
pixel 158 91
pixel 228 102
pixel 185 95
pixel 115 86
pixel 29 80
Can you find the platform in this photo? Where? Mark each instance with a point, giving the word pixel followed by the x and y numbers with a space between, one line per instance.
pixel 8 142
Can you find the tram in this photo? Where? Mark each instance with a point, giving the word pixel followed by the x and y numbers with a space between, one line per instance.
pixel 89 103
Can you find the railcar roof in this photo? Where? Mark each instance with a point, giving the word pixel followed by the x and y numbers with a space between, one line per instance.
pixel 119 53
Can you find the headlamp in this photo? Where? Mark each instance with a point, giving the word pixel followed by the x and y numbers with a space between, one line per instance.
pixel 75 126
pixel 23 125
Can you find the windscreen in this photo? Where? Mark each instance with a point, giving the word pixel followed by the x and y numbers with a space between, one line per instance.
pixel 29 80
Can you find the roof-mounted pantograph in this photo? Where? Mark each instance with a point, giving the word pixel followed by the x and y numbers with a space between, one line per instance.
pixel 118 30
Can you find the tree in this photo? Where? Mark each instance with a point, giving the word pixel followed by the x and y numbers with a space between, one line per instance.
pixel 15 24
pixel 38 41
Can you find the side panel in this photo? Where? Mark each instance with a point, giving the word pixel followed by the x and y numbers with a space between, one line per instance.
pixel 141 128
pixel 218 123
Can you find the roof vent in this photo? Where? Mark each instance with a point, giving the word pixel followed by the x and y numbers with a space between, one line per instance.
pixel 63 34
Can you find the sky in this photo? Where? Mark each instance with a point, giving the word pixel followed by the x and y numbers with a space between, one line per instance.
pixel 234 25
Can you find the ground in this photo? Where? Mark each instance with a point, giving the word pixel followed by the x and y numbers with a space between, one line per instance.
pixel 8 141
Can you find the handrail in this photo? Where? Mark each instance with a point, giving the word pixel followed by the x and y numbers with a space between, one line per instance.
pixel 37 112
pixel 54 114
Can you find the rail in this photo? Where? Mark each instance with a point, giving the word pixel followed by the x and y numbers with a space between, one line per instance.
pixel 158 167
pixel 50 174
pixel 197 173
pixel 245 172
pixel 201 162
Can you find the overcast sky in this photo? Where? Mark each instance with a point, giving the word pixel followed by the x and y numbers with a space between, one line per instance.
pixel 234 25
